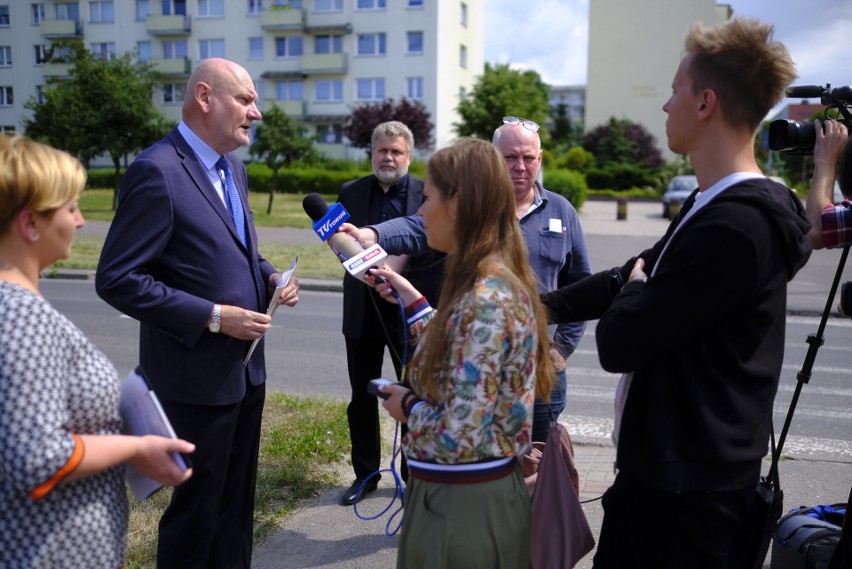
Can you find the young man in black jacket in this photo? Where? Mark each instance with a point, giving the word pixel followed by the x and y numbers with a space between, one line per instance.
pixel 696 323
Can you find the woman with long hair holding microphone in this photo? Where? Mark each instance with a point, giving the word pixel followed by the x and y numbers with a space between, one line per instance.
pixel 479 363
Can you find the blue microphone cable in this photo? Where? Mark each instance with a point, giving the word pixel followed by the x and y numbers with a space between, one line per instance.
pixel 399 489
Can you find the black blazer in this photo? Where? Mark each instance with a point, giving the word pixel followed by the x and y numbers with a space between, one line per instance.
pixel 171 253
pixel 424 271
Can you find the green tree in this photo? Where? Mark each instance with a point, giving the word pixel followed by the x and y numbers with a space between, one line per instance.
pixel 366 117
pixel 498 92
pixel 564 133
pixel 106 107
pixel 279 141
pixel 623 141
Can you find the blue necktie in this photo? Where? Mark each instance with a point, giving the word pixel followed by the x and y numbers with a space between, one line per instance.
pixel 235 206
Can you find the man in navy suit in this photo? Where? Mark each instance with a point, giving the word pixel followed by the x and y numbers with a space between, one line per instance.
pixel 369 322
pixel 181 257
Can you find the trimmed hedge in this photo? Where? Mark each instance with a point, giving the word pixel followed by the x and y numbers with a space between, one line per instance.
pixel 619 176
pixel 567 183
pixel 300 180
pixel 101 178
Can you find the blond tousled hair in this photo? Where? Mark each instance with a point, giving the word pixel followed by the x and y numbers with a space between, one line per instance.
pixel 746 69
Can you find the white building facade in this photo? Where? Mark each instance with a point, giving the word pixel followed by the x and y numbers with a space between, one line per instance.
pixel 316 59
pixel 634 50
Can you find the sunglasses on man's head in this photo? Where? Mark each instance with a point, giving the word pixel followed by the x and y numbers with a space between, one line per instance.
pixel 533 126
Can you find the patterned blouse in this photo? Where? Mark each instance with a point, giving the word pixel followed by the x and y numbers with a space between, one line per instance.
pixel 490 385
pixel 54 384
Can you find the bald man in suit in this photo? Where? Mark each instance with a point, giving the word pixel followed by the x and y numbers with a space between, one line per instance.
pixel 181 257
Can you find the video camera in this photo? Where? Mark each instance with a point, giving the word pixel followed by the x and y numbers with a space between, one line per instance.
pixel 799 137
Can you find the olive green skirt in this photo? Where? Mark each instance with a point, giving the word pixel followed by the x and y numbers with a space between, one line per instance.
pixel 453 526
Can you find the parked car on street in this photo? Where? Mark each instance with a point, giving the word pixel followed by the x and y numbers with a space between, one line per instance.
pixel 678 189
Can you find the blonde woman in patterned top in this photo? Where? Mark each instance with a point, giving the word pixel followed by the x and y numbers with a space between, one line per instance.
pixel 62 495
pixel 479 363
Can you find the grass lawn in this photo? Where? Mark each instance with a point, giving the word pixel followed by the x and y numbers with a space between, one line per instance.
pixel 303 442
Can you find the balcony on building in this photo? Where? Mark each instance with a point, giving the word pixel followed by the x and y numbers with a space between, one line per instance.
pixel 323 63
pixel 172 25
pixel 317 26
pixel 173 67
pixel 56 70
pixel 285 68
pixel 293 109
pixel 61 29
pixel 282 17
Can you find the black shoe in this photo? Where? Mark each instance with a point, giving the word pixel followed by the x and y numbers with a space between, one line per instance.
pixel 356 492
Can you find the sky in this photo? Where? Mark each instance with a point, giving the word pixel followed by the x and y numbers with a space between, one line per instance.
pixel 551 36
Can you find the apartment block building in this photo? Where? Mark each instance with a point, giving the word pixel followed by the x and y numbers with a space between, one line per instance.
pixel 316 59
pixel 634 51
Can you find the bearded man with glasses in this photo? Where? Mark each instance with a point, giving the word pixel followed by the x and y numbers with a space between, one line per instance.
pixel 555 241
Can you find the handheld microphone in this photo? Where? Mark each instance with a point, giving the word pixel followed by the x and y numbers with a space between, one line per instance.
pixel 805 91
pixel 355 259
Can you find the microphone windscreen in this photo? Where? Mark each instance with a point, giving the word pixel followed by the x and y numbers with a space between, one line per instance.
pixel 805 91
pixel 314 206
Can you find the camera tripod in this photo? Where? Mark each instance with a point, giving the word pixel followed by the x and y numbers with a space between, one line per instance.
pixel 769 500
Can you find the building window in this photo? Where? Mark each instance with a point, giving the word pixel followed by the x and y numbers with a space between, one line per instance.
pixel 464 14
pixel 328 6
pixel 328 44
pixel 463 56
pixel 36 13
pixel 40 94
pixel 176 7
pixel 255 48
pixel 211 48
pixel 211 8
pixel 414 88
pixel 68 11
pixel 415 42
pixel 5 56
pixel 6 97
pixel 290 46
pixel 4 15
pixel 290 91
pixel 330 133
pixel 143 9
pixel 174 92
pixel 255 7
pixel 101 12
pixel 371 44
pixel 329 89
pixel 41 54
pixel 371 4
pixel 8 129
pixel 143 50
pixel 175 49
pixel 103 50
pixel 370 89
pixel 415 3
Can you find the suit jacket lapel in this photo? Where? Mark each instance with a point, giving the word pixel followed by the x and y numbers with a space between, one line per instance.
pixel 200 179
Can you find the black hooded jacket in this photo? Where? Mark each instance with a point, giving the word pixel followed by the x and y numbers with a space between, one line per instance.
pixel 704 337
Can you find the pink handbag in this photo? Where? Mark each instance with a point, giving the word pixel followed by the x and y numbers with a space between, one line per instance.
pixel 561 535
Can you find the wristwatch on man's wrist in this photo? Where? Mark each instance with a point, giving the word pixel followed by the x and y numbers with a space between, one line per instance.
pixel 215 324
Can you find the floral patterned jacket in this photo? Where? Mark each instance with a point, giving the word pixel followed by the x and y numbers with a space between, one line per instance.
pixel 486 410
